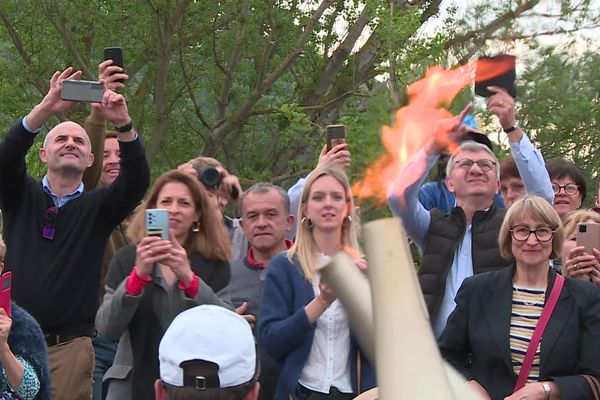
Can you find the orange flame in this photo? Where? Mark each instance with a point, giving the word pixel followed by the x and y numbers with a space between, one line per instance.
pixel 415 123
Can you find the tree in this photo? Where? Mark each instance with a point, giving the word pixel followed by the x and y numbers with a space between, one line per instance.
pixel 250 82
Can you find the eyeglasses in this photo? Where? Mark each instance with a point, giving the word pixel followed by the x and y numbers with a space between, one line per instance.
pixel 49 220
pixel 570 188
pixel 485 165
pixel 522 233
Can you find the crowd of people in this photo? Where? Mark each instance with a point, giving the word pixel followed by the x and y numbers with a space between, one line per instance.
pixel 234 308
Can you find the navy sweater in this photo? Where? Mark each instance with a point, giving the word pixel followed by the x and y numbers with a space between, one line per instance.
pixel 286 333
pixel 57 280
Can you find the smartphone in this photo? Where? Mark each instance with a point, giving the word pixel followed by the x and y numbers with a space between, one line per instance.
pixel 115 54
pixel 86 91
pixel 504 80
pixel 336 134
pixel 588 235
pixel 157 222
pixel 5 282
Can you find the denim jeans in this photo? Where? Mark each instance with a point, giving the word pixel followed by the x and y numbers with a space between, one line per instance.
pixel 105 351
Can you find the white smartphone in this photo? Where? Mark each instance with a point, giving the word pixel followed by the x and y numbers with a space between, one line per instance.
pixel 86 91
pixel 157 222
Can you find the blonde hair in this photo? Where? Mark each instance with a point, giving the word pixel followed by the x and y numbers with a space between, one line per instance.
pixel 536 208
pixel 211 240
pixel 305 249
pixel 576 217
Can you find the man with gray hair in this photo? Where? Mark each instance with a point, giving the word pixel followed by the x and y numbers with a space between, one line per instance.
pixel 265 220
pixel 464 242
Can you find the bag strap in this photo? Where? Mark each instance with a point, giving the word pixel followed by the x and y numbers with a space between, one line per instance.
pixel 559 281
pixel 594 385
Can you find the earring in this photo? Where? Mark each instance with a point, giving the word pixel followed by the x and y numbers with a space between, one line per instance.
pixel 196 226
pixel 348 218
pixel 307 222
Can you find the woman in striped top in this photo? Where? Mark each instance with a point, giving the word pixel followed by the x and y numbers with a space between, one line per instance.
pixel 496 313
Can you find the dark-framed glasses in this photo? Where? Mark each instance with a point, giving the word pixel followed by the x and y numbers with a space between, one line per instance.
pixel 49 223
pixel 521 233
pixel 484 164
pixel 570 188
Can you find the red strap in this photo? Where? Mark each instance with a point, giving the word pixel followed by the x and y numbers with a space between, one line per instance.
pixel 539 331
pixel 191 290
pixel 136 283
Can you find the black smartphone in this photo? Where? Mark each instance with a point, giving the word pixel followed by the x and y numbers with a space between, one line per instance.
pixel 86 91
pixel 116 55
pixel 336 134
pixel 505 80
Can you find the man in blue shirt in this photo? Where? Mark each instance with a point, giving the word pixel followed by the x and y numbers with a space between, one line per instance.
pixel 464 242
pixel 56 232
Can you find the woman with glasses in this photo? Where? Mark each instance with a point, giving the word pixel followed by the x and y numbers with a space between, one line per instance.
pixel 569 185
pixel 489 333
pixel 577 262
pixel 149 283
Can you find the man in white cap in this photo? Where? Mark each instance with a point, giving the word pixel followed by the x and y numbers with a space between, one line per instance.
pixel 208 352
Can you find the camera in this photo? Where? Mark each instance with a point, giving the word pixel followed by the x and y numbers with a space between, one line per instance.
pixel 209 176
pixel 582 228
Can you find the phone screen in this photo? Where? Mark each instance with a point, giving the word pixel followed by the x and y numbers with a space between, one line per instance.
pixel 86 91
pixel 336 134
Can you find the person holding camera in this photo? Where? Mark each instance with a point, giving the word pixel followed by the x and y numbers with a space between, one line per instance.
pixel 56 232
pixel 149 283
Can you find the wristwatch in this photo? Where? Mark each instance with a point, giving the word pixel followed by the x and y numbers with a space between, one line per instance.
pixel 512 128
pixel 547 390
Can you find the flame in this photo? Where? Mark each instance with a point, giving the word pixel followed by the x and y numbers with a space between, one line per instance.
pixel 423 116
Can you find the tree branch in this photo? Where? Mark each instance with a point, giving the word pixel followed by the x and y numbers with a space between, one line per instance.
pixel 494 25
pixel 62 29
pixel 232 63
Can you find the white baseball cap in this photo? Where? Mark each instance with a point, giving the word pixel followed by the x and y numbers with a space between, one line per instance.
pixel 208 333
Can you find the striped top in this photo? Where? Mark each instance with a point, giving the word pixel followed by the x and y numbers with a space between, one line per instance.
pixel 527 306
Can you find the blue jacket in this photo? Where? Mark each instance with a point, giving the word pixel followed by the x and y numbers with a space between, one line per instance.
pixel 286 333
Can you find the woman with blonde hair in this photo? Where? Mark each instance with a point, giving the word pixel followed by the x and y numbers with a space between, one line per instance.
pixel 149 283
pixel 577 263
pixel 302 324
pixel 525 331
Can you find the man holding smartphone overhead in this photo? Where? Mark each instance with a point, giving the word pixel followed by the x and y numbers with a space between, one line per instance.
pixel 464 242
pixel 56 232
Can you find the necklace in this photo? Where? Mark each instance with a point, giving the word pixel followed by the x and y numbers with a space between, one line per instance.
pixel 537 297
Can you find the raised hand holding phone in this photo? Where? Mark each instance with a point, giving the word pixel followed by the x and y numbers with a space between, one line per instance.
pixel 178 261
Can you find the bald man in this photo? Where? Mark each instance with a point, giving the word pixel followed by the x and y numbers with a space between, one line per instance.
pixel 56 232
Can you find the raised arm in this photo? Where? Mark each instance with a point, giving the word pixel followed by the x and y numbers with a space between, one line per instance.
pixel 528 159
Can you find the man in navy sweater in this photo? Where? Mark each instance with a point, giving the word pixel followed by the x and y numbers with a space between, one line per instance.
pixel 56 232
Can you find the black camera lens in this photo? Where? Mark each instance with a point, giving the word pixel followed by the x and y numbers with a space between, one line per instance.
pixel 583 228
pixel 209 176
